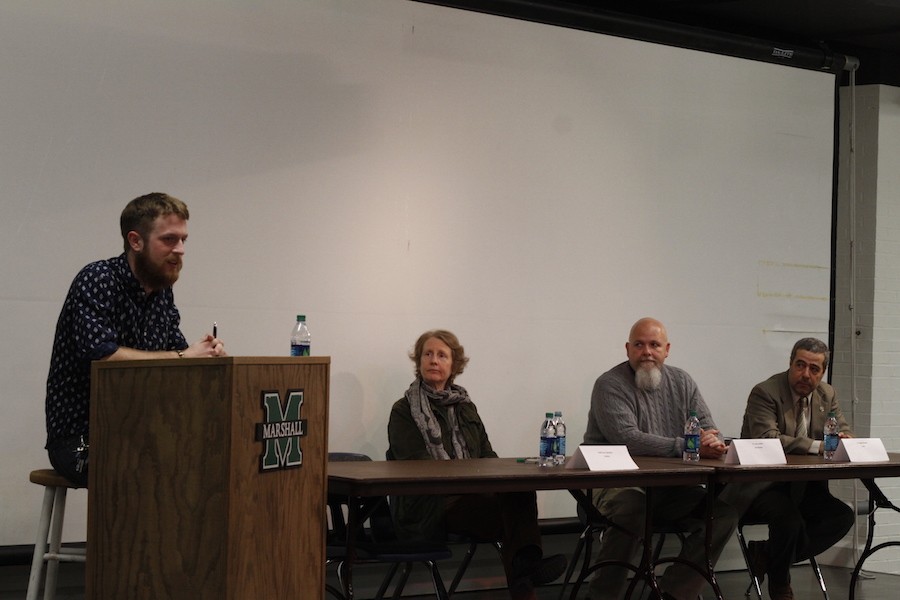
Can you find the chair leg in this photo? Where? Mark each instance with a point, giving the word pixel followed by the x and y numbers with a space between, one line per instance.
pixel 579 547
pixel 587 537
pixel 754 582
pixel 815 566
pixel 466 561
pixel 40 544
pixel 470 553
pixel 401 583
pixel 657 550
pixel 588 552
pixel 386 582
pixel 439 590
pixel 334 592
pixel 342 579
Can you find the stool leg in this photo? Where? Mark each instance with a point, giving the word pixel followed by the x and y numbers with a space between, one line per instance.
pixel 815 567
pixel 59 513
pixel 40 545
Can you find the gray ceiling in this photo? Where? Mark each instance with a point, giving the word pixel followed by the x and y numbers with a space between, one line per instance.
pixel 865 29
pixel 873 24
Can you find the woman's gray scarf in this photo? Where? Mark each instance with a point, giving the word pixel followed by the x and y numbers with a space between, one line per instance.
pixel 420 397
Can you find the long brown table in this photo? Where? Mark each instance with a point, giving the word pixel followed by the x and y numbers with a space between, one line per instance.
pixel 812 468
pixel 366 479
pixel 359 480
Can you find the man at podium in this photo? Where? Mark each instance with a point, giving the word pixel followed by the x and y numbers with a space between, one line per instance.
pixel 122 308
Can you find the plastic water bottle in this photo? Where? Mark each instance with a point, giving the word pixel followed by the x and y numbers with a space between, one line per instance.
pixel 691 438
pixel 548 441
pixel 300 337
pixel 559 454
pixel 831 436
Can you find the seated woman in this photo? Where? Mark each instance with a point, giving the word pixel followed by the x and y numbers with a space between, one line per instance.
pixel 436 420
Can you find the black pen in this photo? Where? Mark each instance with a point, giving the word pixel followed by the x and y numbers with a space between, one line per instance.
pixel 215 330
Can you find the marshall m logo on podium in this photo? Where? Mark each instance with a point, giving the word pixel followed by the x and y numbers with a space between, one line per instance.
pixel 281 432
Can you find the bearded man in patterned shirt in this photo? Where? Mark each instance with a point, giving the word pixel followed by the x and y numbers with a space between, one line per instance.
pixel 122 308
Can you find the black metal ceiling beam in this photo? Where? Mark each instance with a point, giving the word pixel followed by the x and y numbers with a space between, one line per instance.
pixel 647 29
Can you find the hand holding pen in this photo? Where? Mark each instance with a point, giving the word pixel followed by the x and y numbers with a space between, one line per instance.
pixel 218 346
pixel 209 346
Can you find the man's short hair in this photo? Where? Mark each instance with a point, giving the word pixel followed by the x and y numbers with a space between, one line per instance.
pixel 813 345
pixel 141 212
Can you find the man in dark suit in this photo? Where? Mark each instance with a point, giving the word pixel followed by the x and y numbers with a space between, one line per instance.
pixel 804 518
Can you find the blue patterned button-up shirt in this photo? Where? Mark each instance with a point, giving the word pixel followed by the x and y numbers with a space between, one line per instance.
pixel 106 307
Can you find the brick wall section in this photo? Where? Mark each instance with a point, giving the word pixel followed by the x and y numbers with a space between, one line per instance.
pixel 877 306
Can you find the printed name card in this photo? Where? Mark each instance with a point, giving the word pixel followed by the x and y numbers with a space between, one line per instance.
pixel 860 450
pixel 766 451
pixel 601 458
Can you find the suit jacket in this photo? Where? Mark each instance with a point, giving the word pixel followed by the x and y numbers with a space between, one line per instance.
pixel 770 414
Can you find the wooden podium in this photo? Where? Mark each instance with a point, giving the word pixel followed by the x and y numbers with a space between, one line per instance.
pixel 208 479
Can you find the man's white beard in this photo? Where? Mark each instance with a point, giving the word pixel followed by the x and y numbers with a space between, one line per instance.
pixel 648 378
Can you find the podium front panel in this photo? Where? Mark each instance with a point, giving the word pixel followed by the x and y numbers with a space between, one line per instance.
pixel 208 478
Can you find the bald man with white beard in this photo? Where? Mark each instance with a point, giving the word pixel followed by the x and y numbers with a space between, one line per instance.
pixel 643 403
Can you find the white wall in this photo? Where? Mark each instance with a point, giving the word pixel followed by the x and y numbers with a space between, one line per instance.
pixel 388 167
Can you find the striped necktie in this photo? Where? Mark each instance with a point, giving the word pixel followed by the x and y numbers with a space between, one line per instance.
pixel 802 419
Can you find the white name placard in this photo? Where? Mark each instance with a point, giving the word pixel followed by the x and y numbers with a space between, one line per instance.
pixel 766 451
pixel 601 458
pixel 860 450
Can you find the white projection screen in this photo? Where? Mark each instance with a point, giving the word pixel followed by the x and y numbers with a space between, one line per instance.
pixel 387 167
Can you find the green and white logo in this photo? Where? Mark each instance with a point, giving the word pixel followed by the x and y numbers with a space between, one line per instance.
pixel 281 432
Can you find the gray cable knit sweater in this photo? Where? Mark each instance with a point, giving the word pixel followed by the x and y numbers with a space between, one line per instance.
pixel 648 423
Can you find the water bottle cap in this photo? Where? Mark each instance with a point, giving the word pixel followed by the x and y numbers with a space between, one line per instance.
pixel 548 415
pixel 301 317
pixel 557 413
pixel 693 413
pixel 831 413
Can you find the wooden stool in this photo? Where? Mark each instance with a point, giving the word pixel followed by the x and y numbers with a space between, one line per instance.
pixel 50 533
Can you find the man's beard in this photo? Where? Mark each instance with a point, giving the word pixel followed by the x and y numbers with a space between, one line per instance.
pixel 648 377
pixel 153 276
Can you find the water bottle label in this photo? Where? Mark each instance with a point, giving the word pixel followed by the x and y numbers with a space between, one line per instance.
pixel 831 442
pixel 299 349
pixel 561 446
pixel 547 446
pixel 692 443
